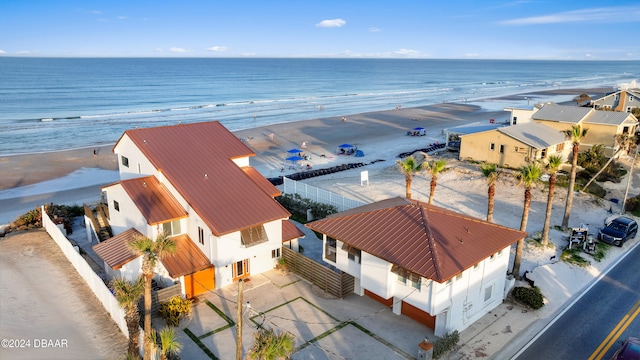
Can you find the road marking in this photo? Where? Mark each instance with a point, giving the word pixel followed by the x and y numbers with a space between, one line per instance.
pixel 616 332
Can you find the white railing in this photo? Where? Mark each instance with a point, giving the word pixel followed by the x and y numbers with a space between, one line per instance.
pixel 319 195
pixel 95 283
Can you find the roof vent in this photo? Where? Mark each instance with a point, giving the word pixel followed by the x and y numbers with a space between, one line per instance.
pixel 144 183
pixel 206 176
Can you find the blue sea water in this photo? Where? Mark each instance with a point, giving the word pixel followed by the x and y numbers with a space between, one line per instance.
pixel 49 104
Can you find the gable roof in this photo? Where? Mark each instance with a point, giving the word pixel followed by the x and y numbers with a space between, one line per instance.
pixel 430 241
pixel 154 201
pixel 608 117
pixel 197 160
pixel 561 113
pixel 115 251
pixel 187 259
pixel 536 135
pixel 290 231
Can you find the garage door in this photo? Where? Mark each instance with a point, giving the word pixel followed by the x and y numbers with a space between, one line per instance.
pixel 199 282
pixel 378 298
pixel 418 315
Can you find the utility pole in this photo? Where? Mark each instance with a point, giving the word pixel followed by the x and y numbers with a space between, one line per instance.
pixel 239 324
pixel 626 192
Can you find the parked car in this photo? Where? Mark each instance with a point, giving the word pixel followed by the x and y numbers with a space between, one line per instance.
pixel 618 231
pixel 630 350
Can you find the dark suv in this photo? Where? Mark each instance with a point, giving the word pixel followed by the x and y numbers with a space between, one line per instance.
pixel 618 231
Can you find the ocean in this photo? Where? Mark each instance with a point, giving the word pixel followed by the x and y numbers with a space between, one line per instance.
pixel 50 104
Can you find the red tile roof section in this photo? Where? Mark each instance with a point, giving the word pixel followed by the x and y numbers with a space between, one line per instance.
pixel 290 231
pixel 261 181
pixel 115 251
pixel 425 239
pixel 187 259
pixel 154 201
pixel 197 160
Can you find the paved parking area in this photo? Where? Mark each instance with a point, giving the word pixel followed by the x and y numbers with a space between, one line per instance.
pixel 324 327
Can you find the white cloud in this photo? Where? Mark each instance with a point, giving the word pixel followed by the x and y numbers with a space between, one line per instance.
pixel 2 52
pixel 218 48
pixel 121 18
pixel 406 52
pixel 471 55
pixel 607 14
pixel 178 50
pixel 331 23
pixel 374 29
pixel 24 52
pixel 96 12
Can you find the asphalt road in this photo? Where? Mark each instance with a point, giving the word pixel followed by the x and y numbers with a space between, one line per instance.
pixel 605 314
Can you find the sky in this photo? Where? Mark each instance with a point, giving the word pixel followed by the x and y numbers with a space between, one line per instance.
pixel 487 29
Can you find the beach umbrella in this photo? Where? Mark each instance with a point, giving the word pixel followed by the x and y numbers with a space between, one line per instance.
pixel 294 158
pixel 294 151
pixel 345 146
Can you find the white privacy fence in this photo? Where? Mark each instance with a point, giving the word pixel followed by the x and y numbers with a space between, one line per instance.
pixel 96 284
pixel 319 195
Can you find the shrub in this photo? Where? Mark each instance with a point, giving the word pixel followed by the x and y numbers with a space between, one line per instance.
pixel 175 309
pixel 573 256
pixel 445 344
pixel 298 206
pixel 529 296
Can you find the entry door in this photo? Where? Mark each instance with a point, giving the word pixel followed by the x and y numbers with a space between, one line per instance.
pixel 241 269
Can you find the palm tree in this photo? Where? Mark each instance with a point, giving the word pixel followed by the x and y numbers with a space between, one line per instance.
pixel 151 252
pixel 270 346
pixel 408 167
pixel 169 343
pixel 575 134
pixel 490 171
pixel 625 143
pixel 581 98
pixel 529 175
pixel 128 293
pixel 555 161
pixel 435 167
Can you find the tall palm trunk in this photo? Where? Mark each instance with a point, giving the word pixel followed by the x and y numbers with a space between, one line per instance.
pixel 491 192
pixel 523 227
pixel 147 315
pixel 547 219
pixel 572 183
pixel 133 327
pixel 408 187
pixel 432 190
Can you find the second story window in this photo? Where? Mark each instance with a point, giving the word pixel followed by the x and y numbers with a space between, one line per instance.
pixel 125 161
pixel 172 228
pixel 330 249
pixel 253 236
pixel 200 235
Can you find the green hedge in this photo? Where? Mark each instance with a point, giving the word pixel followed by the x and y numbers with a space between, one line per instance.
pixel 529 296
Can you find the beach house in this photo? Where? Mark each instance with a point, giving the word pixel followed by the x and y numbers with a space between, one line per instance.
pixel 603 126
pixel 624 100
pixel 514 146
pixel 441 268
pixel 194 183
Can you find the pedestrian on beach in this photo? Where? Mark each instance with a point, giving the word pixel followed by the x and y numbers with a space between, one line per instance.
pixel 344 119
pixel 95 152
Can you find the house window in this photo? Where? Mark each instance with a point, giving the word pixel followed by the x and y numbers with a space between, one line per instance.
pixel 492 257
pixel 241 268
pixel 488 293
pixel 116 205
pixel 275 253
pixel 459 277
pixel 501 149
pixel 449 282
pixel 414 279
pixel 352 252
pixel 172 228
pixel 125 161
pixel 254 235
pixel 200 235
pixel 492 146
pixel 515 120
pixel 543 153
pixel 330 249
pixel 630 97
pixel 625 130
pixel 615 98
pixel 415 283
pixel 559 147
pixel 476 266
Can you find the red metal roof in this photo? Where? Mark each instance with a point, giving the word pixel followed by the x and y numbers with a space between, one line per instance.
pixel 261 181
pixel 290 231
pixel 425 239
pixel 154 201
pixel 197 160
pixel 187 259
pixel 115 251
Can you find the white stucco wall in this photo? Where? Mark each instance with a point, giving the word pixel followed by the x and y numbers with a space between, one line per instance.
pixel 138 163
pixel 128 216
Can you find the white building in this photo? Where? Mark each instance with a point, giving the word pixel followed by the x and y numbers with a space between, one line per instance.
pixel 194 183
pixel 441 268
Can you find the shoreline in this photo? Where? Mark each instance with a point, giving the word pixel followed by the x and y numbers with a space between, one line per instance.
pixel 370 131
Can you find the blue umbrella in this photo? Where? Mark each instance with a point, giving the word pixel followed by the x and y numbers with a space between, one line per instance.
pixel 294 151
pixel 294 158
pixel 345 146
